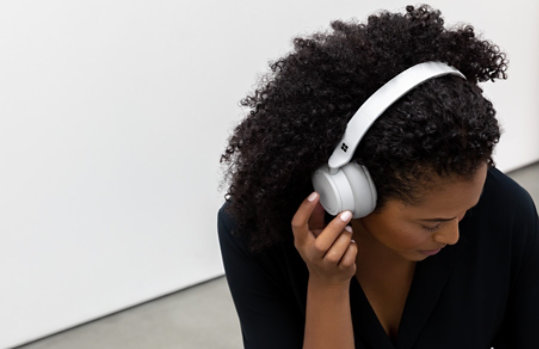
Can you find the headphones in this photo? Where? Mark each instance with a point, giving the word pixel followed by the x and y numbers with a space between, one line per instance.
pixel 345 185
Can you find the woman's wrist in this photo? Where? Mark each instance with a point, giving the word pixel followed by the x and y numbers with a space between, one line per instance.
pixel 328 318
pixel 333 286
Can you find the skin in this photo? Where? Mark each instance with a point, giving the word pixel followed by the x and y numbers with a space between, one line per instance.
pixel 393 239
pixel 389 243
pixel 330 255
pixel 401 233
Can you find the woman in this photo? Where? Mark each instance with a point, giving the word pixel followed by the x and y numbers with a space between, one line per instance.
pixel 449 258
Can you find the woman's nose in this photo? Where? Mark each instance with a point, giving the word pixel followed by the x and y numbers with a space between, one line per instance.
pixel 449 235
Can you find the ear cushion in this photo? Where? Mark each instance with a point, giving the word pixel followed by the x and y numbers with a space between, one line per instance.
pixel 349 188
pixel 363 189
pixel 334 189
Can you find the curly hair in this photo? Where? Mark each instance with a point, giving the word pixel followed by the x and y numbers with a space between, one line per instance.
pixel 299 112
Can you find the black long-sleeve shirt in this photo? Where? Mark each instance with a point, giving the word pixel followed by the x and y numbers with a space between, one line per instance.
pixel 482 292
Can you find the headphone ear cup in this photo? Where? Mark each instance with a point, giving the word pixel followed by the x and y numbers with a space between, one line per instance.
pixel 336 195
pixel 362 188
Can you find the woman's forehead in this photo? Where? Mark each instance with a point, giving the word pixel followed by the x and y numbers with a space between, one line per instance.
pixel 446 195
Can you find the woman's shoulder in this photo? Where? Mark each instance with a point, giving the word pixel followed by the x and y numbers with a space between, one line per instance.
pixel 232 239
pixel 505 217
pixel 506 212
pixel 224 218
pixel 503 193
pixel 227 231
pixel 277 262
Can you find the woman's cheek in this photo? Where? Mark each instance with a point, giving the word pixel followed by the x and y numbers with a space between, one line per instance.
pixel 412 238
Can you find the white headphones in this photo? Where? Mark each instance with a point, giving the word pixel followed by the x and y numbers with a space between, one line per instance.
pixel 348 186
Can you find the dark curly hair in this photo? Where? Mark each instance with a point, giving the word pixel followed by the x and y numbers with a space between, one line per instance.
pixel 298 114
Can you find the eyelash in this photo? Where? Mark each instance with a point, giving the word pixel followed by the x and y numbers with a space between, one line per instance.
pixel 431 229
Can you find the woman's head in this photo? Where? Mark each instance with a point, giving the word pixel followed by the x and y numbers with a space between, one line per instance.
pixel 444 127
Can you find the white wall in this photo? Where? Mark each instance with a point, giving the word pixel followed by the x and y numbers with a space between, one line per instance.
pixel 513 26
pixel 113 115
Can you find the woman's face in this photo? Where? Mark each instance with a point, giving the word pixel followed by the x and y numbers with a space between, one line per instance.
pixel 415 232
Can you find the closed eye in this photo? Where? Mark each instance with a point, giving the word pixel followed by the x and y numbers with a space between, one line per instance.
pixel 431 229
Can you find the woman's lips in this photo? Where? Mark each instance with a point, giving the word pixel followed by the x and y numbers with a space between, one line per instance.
pixel 430 252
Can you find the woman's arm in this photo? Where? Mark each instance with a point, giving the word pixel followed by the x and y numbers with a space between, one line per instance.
pixel 268 318
pixel 520 328
pixel 328 321
pixel 330 256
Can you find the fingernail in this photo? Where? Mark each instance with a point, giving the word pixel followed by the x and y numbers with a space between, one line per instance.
pixel 348 229
pixel 312 197
pixel 345 216
pixel 353 241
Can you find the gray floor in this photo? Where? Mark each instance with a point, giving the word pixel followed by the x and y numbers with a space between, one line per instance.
pixel 199 317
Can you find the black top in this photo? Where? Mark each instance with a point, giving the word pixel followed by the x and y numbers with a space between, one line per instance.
pixel 481 292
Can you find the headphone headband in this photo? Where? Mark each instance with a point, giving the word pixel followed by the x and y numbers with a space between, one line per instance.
pixel 379 101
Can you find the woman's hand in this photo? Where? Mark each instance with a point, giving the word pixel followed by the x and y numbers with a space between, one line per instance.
pixel 329 251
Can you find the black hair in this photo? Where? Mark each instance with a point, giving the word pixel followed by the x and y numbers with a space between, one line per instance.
pixel 298 114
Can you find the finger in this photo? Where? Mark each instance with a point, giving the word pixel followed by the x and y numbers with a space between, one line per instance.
pixel 316 222
pixel 336 252
pixel 300 221
pixel 332 231
pixel 349 258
